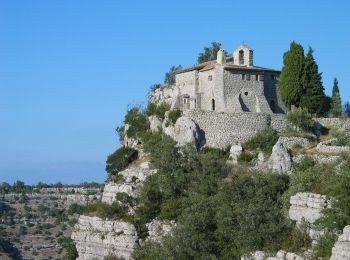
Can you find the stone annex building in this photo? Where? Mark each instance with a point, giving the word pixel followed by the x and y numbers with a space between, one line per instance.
pixel 229 84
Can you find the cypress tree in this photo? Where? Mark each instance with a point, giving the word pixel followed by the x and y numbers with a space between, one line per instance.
pixel 313 97
pixel 336 100
pixel 290 84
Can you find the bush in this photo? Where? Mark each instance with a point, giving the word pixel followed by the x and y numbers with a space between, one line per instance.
pixel 75 209
pixel 324 246
pixel 342 135
pixel 263 140
pixel 174 115
pixel 298 240
pixel 301 119
pixel 106 211
pixel 159 111
pixel 137 122
pixel 68 245
pixel 246 157
pixel 120 159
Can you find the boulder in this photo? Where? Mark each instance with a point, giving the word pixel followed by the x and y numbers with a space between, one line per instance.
pixel 280 160
pixel 235 151
pixel 155 123
pixel 185 131
pixel 341 248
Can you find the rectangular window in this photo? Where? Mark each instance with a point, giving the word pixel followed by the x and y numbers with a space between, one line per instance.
pixel 256 77
pixel 261 77
pixel 210 78
pixel 248 77
pixel 243 76
pixel 273 77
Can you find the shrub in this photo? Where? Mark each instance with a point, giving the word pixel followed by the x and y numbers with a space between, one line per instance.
pixel 106 211
pixel 298 240
pixel 324 246
pixel 342 135
pixel 301 119
pixel 68 245
pixel 174 115
pixel 137 122
pixel 263 140
pixel 246 157
pixel 159 111
pixel 75 209
pixel 120 159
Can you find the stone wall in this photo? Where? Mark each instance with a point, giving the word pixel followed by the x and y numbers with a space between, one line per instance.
pixel 334 122
pixel 224 129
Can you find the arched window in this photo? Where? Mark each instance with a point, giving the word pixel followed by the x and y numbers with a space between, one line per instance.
pixel 213 104
pixel 241 57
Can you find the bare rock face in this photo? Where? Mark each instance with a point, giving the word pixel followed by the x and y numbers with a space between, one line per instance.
pixel 341 249
pixel 235 151
pixel 95 238
pixel 307 206
pixel 157 229
pixel 185 131
pixel 168 95
pixel 281 159
pixel 154 123
pixel 133 178
pixel 281 255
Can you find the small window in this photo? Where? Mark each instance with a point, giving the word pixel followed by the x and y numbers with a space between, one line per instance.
pixel 256 77
pixel 246 93
pixel 210 78
pixel 243 76
pixel 248 77
pixel 186 100
pixel 261 77
pixel 213 104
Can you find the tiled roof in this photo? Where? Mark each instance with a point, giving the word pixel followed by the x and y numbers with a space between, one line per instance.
pixel 229 66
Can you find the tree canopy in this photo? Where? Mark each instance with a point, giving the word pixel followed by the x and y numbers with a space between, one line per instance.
pixel 336 100
pixel 170 75
pixel 209 53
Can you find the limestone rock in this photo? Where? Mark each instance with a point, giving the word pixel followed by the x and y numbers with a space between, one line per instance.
pixel 281 255
pixel 341 249
pixel 168 95
pixel 155 123
pixel 185 131
pixel 235 151
pixel 280 160
pixel 308 206
pixel 134 177
pixel 328 148
pixel 96 238
pixel 157 229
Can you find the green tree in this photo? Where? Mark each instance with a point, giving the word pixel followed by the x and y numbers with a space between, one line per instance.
pixel 301 119
pixel 170 75
pixel 313 97
pixel 291 88
pixel 336 100
pixel 209 53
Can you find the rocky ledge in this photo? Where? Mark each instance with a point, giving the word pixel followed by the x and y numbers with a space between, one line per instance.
pixel 341 249
pixel 96 238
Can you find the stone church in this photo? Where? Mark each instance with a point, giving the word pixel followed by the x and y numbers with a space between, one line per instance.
pixel 229 84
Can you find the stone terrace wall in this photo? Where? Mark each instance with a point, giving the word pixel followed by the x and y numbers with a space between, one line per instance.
pixel 334 122
pixel 224 129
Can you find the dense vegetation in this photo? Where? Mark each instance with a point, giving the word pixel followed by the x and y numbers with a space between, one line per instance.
pixel 301 83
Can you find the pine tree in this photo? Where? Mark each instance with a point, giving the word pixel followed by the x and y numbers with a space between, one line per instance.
pixel 209 53
pixel 336 100
pixel 313 97
pixel 290 84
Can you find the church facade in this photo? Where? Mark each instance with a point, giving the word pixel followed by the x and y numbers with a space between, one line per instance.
pixel 229 84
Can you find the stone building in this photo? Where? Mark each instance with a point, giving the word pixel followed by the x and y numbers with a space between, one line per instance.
pixel 229 84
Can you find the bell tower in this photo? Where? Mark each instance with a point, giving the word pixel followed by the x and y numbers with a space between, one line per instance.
pixel 243 56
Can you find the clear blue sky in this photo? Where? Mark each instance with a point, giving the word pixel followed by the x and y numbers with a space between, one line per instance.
pixel 68 69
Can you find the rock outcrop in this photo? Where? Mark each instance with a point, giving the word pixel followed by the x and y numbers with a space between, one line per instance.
pixel 95 238
pixel 235 151
pixel 281 158
pixel 134 176
pixel 328 148
pixel 281 255
pixel 185 131
pixel 307 206
pixel 154 123
pixel 341 249
pixel 157 229
pixel 168 95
